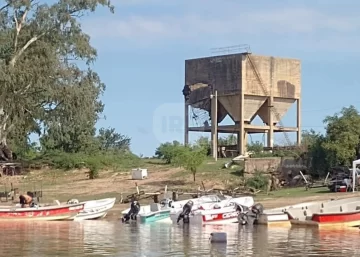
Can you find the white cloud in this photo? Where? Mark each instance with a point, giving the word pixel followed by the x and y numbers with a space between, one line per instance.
pixel 231 22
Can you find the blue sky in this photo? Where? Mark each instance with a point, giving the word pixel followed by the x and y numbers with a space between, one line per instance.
pixel 142 48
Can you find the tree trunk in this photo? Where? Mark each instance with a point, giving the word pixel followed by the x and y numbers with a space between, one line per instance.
pixel 5 152
pixel 194 176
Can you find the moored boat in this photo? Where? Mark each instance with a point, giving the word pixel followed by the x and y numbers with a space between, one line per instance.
pixel 95 209
pixel 156 214
pixel 336 213
pixel 221 213
pixel 178 205
pixel 55 212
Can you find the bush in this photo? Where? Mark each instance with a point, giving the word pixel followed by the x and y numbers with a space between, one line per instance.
pixel 168 151
pixel 259 181
pixel 115 160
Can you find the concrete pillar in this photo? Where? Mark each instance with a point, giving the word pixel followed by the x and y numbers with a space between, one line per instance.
pixel 245 141
pixel 298 121
pixel 242 86
pixel 214 125
pixel 270 134
pixel 186 124
pixel 241 132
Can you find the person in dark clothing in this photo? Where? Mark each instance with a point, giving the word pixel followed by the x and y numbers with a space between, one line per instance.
pixel 184 215
pixel 134 211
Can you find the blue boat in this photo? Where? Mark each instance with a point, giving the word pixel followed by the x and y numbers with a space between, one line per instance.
pixel 155 214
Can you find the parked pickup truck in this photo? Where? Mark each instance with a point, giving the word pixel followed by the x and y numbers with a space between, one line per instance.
pixel 342 176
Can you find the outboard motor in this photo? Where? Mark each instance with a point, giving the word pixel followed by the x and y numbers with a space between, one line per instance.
pixel 185 213
pixel 250 215
pixel 134 211
pixel 166 203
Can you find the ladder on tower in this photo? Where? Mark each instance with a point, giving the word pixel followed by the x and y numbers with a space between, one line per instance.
pixel 266 92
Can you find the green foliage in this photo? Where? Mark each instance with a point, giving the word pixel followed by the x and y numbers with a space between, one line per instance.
pixel 343 134
pixel 256 147
pixel 116 160
pixel 229 140
pixel 340 144
pixel 44 87
pixel 109 139
pixel 168 151
pixel 188 157
pixel 258 181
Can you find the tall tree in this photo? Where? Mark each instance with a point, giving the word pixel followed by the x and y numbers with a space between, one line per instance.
pixel 343 135
pixel 109 139
pixel 42 85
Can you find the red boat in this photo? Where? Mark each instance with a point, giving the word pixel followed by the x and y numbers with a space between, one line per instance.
pixel 56 212
pixel 337 213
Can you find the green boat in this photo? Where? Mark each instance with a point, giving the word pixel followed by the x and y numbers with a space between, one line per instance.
pixel 155 214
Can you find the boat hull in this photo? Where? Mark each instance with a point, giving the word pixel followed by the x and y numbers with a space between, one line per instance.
pixel 155 216
pixel 336 214
pixel 220 216
pixel 274 219
pixel 334 220
pixel 50 213
pixel 95 209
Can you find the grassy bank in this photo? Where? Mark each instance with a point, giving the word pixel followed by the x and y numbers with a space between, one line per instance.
pixel 70 180
pixel 65 177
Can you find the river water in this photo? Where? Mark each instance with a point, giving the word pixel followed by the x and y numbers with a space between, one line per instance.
pixel 103 238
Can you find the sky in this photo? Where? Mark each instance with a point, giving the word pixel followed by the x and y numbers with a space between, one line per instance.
pixel 143 46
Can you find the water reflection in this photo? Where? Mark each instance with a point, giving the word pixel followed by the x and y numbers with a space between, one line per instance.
pixel 102 238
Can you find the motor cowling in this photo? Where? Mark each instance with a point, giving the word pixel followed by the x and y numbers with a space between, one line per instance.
pixel 250 215
pixel 257 208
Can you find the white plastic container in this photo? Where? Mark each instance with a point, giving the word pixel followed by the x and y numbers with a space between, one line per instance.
pixel 218 237
pixel 139 174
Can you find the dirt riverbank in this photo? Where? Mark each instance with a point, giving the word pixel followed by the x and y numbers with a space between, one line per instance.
pixel 61 185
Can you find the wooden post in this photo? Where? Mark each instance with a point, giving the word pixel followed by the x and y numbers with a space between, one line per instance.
pixel 174 196
pixel 137 188
pixel 156 198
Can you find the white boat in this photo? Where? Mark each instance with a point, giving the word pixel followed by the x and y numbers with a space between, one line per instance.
pixel 95 209
pixel 224 212
pixel 298 213
pixel 178 205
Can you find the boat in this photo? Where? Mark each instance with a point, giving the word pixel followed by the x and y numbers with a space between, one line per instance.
pixel 225 212
pixel 156 214
pixel 178 205
pixel 95 209
pixel 54 212
pixel 336 213
pixel 279 216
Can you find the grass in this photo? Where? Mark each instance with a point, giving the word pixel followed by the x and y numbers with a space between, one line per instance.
pixel 294 192
pixel 214 170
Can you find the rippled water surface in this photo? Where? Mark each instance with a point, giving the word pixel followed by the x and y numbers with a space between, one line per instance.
pixel 102 238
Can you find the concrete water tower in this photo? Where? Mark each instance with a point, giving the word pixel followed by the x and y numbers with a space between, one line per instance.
pixel 243 85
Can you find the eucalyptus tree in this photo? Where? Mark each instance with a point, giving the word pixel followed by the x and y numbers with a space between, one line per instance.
pixel 42 83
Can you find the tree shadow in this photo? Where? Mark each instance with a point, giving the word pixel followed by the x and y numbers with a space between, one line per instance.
pixel 156 162
pixel 324 191
pixel 166 182
pixel 239 173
